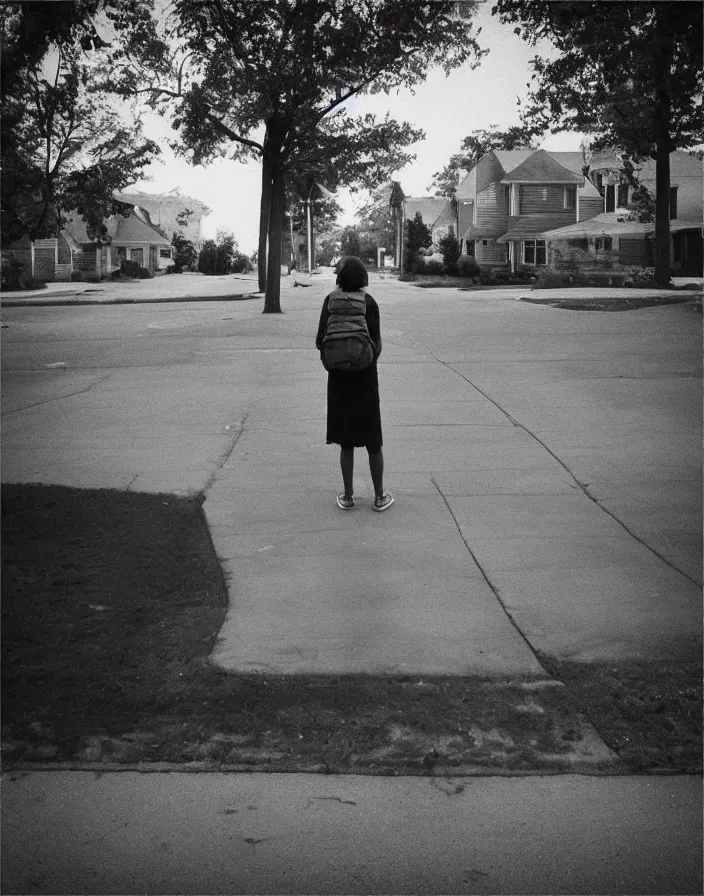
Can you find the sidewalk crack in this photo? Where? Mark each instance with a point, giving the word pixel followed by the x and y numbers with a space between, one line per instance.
pixel 492 586
pixel 583 486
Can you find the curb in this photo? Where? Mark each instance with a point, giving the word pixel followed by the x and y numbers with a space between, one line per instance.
pixel 54 301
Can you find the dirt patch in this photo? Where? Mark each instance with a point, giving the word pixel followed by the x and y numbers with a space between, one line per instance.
pixel 603 303
pixel 111 605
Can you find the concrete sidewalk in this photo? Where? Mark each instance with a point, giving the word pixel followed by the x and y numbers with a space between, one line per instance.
pixel 213 833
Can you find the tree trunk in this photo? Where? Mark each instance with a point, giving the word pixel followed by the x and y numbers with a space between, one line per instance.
pixel 264 216
pixel 272 300
pixel 662 152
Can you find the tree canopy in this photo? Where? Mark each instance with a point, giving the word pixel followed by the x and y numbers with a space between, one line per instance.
pixel 629 74
pixel 64 148
pixel 270 78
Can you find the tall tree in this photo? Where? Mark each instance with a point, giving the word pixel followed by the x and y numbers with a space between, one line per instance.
pixel 629 74
pixel 473 147
pixel 262 78
pixel 64 148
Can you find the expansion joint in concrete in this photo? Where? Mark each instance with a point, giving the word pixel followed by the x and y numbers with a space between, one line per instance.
pixel 225 456
pixel 583 487
pixel 37 404
pixel 494 589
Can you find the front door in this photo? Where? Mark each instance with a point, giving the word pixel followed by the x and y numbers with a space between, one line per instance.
pixel 138 256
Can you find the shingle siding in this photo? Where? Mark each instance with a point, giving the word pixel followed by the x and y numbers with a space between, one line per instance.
pixel 590 207
pixel 544 199
pixel 492 210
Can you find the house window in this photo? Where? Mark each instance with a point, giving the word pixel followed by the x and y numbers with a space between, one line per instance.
pixel 164 253
pixel 673 203
pixel 599 182
pixel 534 252
pixel 542 194
pixel 622 197
pixel 470 247
pixel 485 242
pixel 570 197
pixel 604 244
pixel 121 253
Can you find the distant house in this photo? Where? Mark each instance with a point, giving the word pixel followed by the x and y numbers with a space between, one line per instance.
pixel 438 214
pixel 133 237
pixel 532 208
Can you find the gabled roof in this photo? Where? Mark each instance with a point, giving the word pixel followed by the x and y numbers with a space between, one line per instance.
pixel 121 229
pixel 540 167
pixel 512 158
pixel 430 208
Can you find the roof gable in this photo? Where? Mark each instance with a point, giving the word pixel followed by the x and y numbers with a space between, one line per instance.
pixel 430 208
pixel 128 229
pixel 541 167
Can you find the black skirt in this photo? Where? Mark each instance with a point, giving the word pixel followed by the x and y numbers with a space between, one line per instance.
pixel 354 417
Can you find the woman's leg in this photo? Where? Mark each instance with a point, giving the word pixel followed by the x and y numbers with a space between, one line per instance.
pixel 347 465
pixel 376 468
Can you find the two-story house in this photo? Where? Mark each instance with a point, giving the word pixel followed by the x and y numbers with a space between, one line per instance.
pixel 510 197
pixel 530 208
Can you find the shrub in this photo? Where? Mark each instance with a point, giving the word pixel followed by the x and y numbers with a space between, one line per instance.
pixel 240 263
pixel 129 268
pixel 450 249
pixel 144 274
pixel 34 283
pixel 185 255
pixel 77 277
pixel 92 278
pixel 405 277
pixel 416 237
pixel 13 274
pixel 467 266
pixel 430 266
pixel 643 275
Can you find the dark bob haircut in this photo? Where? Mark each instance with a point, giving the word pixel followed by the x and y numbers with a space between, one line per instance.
pixel 352 275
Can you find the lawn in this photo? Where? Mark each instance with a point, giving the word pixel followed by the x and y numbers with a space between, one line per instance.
pixel 111 605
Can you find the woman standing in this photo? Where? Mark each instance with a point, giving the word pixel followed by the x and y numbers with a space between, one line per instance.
pixel 354 418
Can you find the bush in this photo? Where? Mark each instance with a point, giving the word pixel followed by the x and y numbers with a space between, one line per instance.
pixel 77 277
pixel 13 274
pixel 548 279
pixel 405 277
pixel 467 266
pixel 34 283
pixel 450 249
pixel 430 266
pixel 185 255
pixel 129 268
pixel 241 263
pixel 92 278
pixel 144 274
pixel 416 238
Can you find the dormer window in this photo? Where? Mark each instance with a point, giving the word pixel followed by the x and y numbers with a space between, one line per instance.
pixel 570 198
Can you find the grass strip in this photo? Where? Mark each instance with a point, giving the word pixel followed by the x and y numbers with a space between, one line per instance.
pixel 111 605
pixel 601 303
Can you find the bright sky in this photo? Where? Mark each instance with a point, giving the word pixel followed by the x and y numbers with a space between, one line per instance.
pixel 447 109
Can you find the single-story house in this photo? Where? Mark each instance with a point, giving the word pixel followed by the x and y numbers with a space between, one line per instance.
pixel 133 237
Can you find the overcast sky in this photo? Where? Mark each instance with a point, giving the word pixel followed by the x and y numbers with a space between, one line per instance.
pixel 447 109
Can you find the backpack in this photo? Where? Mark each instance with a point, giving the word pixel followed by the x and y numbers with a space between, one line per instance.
pixel 347 344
